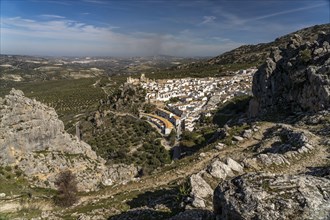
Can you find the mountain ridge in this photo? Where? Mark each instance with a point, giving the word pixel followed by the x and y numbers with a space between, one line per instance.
pixel 255 55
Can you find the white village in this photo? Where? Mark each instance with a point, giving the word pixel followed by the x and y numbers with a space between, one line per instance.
pixel 182 101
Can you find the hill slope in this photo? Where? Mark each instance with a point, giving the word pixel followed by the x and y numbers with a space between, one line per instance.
pixel 251 55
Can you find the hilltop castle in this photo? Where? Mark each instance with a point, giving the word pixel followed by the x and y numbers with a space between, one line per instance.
pixel 135 81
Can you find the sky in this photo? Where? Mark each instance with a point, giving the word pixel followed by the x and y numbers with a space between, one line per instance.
pixel 149 27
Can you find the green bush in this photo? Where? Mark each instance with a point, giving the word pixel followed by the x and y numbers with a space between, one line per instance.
pixel 8 168
pixel 306 55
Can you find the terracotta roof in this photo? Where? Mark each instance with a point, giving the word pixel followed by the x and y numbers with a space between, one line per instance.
pixel 176 117
pixel 164 120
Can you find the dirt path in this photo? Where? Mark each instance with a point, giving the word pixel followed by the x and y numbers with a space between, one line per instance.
pixel 187 168
pixel 180 172
pixel 154 181
pixel 122 114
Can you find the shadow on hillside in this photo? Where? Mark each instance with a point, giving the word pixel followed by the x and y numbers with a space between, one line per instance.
pixel 319 171
pixel 141 214
pixel 158 204
pixel 161 204
pixel 148 214
pixel 282 116
pixel 231 110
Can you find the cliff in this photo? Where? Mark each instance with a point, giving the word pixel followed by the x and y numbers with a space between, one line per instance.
pixel 294 79
pixel 33 139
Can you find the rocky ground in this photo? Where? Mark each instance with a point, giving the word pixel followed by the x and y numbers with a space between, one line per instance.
pixel 276 159
pixel 271 184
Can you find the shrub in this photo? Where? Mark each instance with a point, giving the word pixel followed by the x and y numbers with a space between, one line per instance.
pixel 67 189
pixel 306 55
pixel 8 168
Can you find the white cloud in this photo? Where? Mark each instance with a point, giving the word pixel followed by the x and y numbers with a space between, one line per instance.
pixel 208 19
pixel 288 11
pixel 232 19
pixel 51 16
pixel 67 37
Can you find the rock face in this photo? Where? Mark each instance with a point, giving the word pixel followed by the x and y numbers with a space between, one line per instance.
pixel 270 196
pixel 33 139
pixel 294 79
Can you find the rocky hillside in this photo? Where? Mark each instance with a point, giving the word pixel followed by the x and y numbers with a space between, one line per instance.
pixel 296 78
pixel 276 170
pixel 287 169
pixel 33 139
pixel 254 55
pixel 271 196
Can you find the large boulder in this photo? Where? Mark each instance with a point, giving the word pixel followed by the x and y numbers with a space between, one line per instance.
pixel 270 196
pixel 219 169
pixel 294 79
pixel 199 187
pixel 235 166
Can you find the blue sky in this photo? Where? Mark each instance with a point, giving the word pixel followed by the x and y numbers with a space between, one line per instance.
pixel 149 27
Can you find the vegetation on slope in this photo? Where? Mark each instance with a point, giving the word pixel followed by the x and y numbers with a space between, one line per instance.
pixel 117 133
pixel 125 139
pixel 243 57
pixel 68 97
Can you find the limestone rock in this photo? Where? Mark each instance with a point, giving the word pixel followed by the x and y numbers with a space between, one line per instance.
pixel 198 203
pixel 270 196
pixel 285 143
pixel 33 139
pixel 199 187
pixel 232 164
pixel 247 133
pixel 121 173
pixel 294 79
pixel 220 146
pixel 238 138
pixel 219 170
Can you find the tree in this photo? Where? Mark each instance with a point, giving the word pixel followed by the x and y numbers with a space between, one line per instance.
pixel 66 189
pixel 171 137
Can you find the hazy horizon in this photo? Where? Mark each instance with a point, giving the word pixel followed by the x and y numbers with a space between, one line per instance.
pixel 147 28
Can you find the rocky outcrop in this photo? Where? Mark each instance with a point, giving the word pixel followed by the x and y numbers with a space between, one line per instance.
pixel 234 166
pixel 280 145
pixel 219 170
pixel 120 173
pixel 33 139
pixel 294 79
pixel 201 190
pixel 270 196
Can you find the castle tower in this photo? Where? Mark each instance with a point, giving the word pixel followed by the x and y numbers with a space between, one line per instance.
pixel 143 78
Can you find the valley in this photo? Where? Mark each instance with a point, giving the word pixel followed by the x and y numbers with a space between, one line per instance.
pixel 156 138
